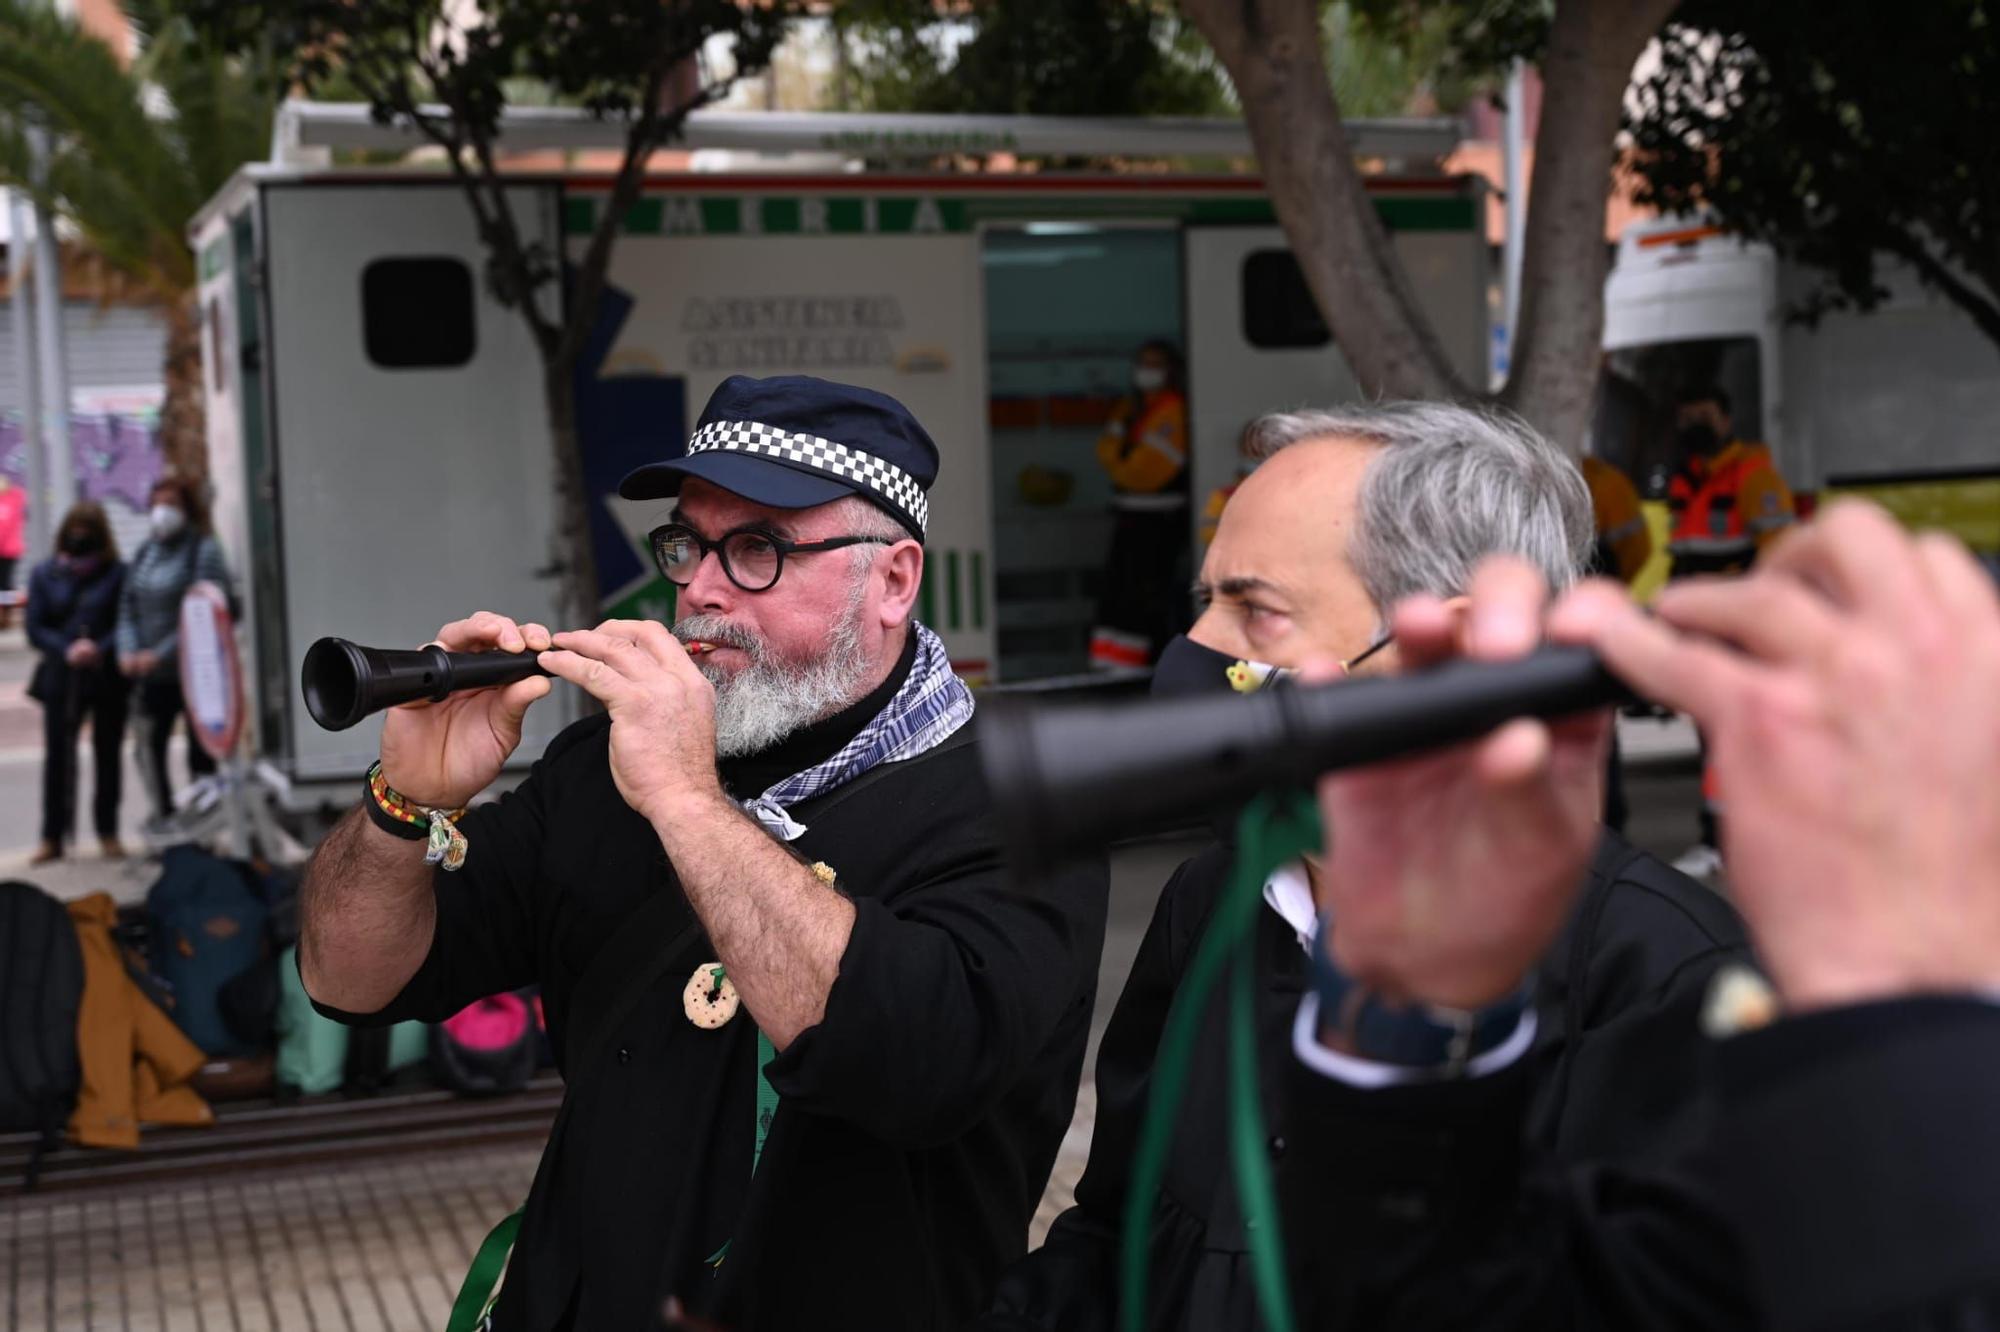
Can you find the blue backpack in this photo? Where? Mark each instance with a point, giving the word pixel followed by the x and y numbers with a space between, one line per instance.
pixel 207 927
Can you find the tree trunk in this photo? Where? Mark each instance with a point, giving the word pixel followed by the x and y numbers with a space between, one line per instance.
pixel 1559 342
pixel 1273 53
pixel 571 549
pixel 183 435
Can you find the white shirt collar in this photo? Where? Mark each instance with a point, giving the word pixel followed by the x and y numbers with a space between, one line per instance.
pixel 1289 892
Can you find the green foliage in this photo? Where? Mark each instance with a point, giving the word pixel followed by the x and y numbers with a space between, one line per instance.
pixel 1841 133
pixel 1457 47
pixel 1028 57
pixel 132 153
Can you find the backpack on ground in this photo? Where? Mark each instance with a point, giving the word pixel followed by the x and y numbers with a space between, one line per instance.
pixel 314 1052
pixel 41 994
pixel 207 928
pixel 488 1047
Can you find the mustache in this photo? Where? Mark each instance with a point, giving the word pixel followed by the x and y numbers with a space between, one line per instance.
pixel 719 631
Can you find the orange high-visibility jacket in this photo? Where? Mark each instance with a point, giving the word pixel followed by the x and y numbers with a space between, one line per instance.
pixel 1726 509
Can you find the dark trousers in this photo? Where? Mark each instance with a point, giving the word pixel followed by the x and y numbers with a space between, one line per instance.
pixel 1146 578
pixel 62 718
pixel 160 702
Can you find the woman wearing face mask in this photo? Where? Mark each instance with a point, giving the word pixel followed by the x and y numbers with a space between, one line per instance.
pixel 72 606
pixel 1144 449
pixel 180 552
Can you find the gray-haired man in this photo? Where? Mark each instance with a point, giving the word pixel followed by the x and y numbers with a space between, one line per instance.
pixel 1351 512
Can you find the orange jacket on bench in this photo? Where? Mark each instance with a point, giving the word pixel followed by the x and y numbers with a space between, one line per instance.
pixel 136 1062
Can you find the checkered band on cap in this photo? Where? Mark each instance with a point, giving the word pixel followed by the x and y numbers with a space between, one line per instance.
pixel 886 479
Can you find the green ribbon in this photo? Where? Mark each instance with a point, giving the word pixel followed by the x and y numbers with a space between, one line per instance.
pixel 1275 829
pixel 767 1109
pixel 476 1294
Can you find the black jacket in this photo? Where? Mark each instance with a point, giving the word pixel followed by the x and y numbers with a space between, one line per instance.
pixel 63 608
pixel 918 1122
pixel 1613 1098
pixel 1859 1158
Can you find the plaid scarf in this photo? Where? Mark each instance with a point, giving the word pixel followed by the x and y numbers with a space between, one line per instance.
pixel 931 705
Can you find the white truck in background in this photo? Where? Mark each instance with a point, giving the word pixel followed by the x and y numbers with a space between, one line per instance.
pixel 1901 404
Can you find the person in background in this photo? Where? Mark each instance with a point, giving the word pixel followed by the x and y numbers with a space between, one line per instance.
pixel 1218 499
pixel 72 606
pixel 180 552
pixel 13 540
pixel 1144 449
pixel 1624 544
pixel 1728 502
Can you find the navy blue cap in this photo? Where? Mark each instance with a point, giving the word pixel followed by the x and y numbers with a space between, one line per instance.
pixel 793 441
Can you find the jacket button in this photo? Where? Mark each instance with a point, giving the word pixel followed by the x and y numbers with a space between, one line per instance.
pixel 1277 1144
pixel 624 1055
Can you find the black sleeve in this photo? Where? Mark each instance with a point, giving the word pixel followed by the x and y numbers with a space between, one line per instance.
pixel 988 970
pixel 489 911
pixel 1071 1282
pixel 1569 1190
pixel 1860 1160
pixel 40 632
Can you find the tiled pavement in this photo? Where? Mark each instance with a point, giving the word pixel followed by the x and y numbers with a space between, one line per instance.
pixel 378 1246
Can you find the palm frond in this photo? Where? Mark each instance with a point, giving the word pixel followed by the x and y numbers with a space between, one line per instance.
pixel 72 84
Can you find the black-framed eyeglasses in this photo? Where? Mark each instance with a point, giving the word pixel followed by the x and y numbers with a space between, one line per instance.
pixel 751 556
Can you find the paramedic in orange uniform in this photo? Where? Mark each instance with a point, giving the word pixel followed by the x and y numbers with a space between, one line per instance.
pixel 1728 503
pixel 1144 449
pixel 1624 544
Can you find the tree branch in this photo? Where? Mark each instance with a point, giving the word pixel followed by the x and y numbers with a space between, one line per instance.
pixel 1272 51
pixel 1981 307
pixel 1558 341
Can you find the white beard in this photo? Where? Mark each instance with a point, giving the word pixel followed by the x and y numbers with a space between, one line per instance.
pixel 769 700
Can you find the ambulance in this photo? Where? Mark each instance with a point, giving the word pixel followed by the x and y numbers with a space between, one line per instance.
pixel 1900 405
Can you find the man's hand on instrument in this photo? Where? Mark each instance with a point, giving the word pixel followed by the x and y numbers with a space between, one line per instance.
pixel 1850 692
pixel 443 754
pixel 1448 875
pixel 662 711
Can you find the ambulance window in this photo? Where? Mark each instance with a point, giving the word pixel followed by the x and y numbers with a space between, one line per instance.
pixel 1278 309
pixel 416 313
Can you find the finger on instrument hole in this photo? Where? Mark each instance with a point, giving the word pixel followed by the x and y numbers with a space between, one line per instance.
pixel 1771 615
pixel 1681 670
pixel 652 637
pixel 1426 631
pixel 479 632
pixel 590 674
pixel 1504 619
pixel 537 637
pixel 1515 755
pixel 616 651
pixel 1857 554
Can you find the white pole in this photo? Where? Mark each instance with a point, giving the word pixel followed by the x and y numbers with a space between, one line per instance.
pixel 59 475
pixel 1516 186
pixel 20 221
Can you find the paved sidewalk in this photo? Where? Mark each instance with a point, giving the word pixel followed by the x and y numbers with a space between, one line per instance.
pixel 375 1246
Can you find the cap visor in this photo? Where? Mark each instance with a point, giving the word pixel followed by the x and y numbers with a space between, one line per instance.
pixel 759 480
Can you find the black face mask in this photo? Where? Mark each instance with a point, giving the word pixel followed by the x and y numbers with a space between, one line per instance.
pixel 1699 439
pixel 1186 667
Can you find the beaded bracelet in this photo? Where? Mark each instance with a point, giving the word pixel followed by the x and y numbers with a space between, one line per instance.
pixel 399 816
